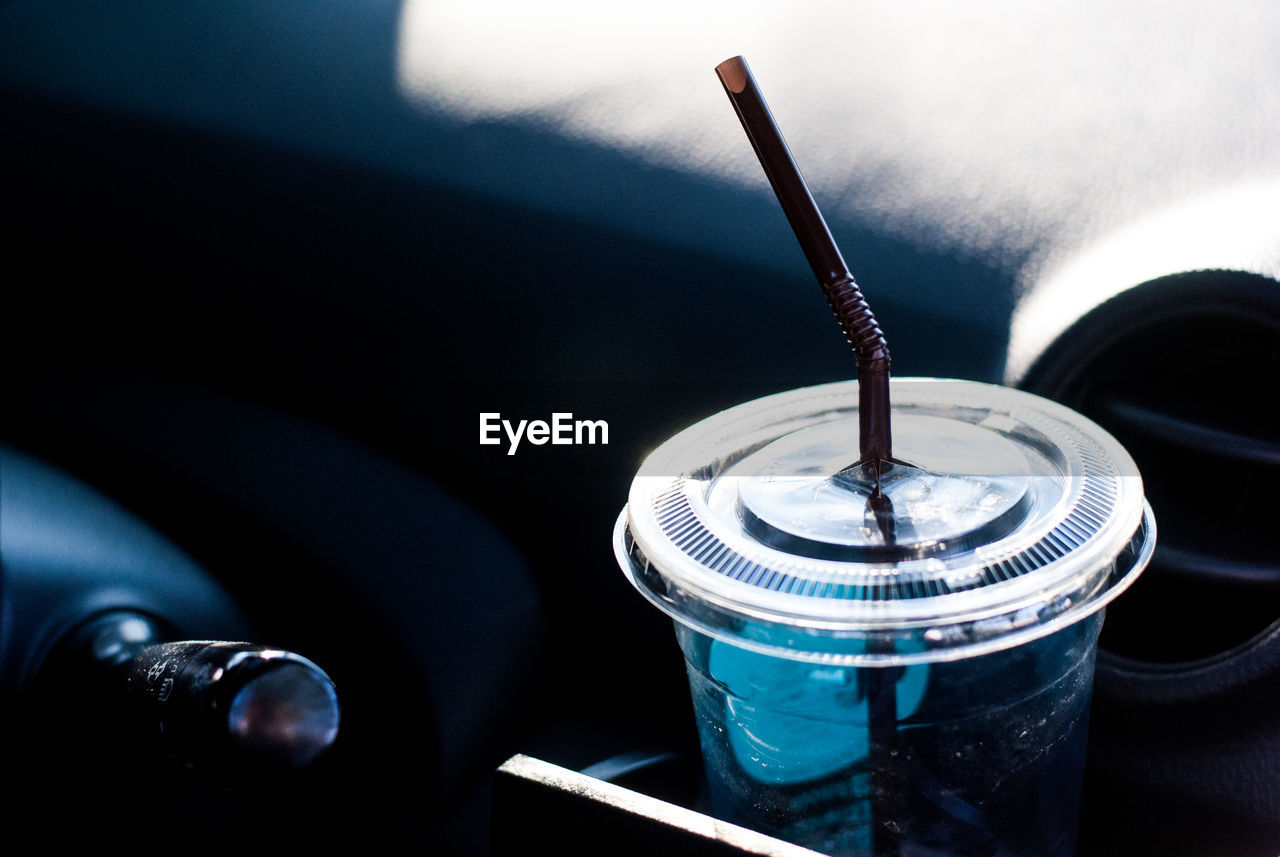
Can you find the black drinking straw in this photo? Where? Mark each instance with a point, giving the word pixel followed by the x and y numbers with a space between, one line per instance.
pixel 874 442
pixel 842 293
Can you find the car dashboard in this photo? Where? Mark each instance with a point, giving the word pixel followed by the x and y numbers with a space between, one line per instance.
pixel 272 266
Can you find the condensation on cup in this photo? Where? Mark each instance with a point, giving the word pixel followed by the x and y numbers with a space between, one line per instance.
pixel 896 663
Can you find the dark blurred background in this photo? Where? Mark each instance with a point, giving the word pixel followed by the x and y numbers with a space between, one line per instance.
pixel 267 264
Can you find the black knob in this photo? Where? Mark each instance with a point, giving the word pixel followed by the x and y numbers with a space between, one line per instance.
pixel 207 702
pixel 254 703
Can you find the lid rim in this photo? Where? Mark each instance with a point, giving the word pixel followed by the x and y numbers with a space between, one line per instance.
pixel 951 645
pixel 701 558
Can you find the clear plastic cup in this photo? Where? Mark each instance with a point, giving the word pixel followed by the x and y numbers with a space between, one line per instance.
pixel 897 663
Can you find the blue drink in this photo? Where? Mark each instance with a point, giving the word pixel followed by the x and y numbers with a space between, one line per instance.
pixel 895 662
pixel 984 756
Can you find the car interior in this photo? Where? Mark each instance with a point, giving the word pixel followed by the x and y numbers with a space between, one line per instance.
pixel 284 279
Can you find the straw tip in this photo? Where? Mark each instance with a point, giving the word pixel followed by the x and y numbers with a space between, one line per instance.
pixel 733 74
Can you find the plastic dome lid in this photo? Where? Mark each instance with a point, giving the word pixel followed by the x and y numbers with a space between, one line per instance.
pixel 1003 517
